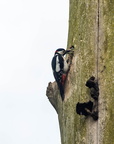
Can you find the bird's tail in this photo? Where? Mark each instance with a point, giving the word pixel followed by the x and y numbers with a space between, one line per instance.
pixel 61 88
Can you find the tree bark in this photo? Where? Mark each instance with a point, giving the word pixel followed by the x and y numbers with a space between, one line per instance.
pixel 91 31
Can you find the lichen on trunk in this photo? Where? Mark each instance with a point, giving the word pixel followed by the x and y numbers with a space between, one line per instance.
pixel 91 31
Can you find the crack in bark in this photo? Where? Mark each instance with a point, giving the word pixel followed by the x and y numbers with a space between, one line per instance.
pixel 98 40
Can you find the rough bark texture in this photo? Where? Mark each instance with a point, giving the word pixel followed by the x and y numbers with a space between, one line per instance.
pixel 91 31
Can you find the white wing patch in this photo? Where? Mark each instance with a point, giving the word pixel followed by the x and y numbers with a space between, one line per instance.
pixel 66 66
pixel 57 65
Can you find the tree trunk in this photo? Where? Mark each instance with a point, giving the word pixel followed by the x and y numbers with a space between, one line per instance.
pixel 91 31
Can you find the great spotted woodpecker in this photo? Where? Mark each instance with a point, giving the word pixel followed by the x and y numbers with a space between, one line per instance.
pixel 60 68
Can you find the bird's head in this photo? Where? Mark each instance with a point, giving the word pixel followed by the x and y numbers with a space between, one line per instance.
pixel 63 51
pixel 60 51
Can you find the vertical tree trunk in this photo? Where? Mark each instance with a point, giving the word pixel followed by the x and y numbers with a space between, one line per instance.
pixel 91 31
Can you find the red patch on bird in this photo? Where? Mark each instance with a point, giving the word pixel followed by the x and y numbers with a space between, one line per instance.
pixel 63 79
pixel 56 51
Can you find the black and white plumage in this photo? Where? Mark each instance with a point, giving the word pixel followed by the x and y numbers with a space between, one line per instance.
pixel 60 68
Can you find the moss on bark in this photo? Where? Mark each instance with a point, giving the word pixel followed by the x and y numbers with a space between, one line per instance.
pixel 106 68
pixel 91 31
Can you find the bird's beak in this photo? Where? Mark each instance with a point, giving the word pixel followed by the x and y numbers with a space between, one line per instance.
pixel 69 50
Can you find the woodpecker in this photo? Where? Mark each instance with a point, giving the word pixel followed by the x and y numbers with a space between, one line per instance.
pixel 60 68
